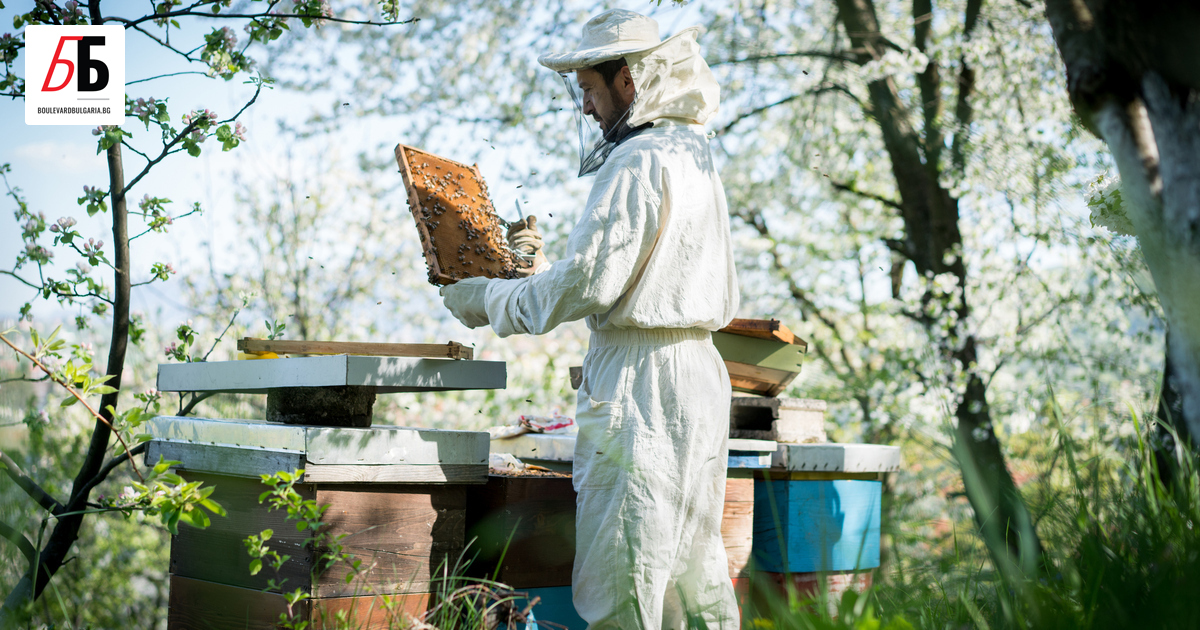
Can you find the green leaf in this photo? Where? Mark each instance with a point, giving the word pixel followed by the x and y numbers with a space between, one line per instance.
pixel 69 401
pixel 214 507
pixel 255 566
pixel 103 389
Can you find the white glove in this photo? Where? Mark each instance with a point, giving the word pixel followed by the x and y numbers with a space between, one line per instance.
pixel 466 302
pixel 524 237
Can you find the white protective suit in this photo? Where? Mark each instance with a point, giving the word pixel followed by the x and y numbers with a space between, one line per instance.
pixel 650 265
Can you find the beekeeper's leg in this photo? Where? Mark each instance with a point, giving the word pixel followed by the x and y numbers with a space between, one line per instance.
pixel 649 469
pixel 701 595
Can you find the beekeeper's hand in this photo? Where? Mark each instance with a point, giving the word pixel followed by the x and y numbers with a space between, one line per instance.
pixel 466 302
pixel 524 237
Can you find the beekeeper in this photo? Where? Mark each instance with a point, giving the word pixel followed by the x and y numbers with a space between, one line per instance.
pixel 650 266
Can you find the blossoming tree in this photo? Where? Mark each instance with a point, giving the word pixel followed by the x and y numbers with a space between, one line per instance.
pixel 118 413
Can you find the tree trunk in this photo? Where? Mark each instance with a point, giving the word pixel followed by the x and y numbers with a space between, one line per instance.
pixel 66 528
pixel 1133 79
pixel 933 242
pixel 1170 433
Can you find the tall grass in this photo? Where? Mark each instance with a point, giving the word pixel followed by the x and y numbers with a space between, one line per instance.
pixel 1122 547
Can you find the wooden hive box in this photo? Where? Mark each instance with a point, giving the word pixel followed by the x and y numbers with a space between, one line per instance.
pixel 398 495
pixel 762 356
pixel 460 232
pixel 523 527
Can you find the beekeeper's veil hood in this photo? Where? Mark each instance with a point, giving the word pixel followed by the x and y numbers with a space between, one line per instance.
pixel 670 78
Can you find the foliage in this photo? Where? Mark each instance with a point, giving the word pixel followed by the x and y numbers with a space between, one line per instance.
pixel 307 515
pixel 223 56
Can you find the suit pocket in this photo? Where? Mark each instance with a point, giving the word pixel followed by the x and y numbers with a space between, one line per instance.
pixel 602 448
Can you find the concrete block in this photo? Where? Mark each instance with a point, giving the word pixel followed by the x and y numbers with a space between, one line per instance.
pixel 788 420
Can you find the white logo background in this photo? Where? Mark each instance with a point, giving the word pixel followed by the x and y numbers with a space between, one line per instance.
pixel 41 41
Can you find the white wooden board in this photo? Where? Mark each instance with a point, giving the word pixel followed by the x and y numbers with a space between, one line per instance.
pixel 850 458
pixel 742 444
pixel 385 374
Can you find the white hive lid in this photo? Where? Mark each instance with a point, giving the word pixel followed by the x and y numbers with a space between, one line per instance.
pixel 385 374
pixel 849 458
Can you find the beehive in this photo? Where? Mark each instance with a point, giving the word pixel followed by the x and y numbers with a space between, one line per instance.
pixel 460 232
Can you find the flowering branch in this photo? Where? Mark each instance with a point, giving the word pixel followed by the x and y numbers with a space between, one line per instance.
pixel 74 393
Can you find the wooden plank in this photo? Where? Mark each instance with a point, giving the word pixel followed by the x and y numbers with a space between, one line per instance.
pixel 758 380
pixel 763 329
pixel 225 460
pixel 822 525
pixel 739 490
pixel 202 605
pixel 395 445
pixel 460 232
pixel 401 533
pixel 451 350
pixel 737 524
pixel 398 473
pixel 385 374
pixel 366 612
pixel 535 518
pixel 217 553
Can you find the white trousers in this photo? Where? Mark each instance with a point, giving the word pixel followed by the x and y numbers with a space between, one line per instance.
pixel 650 468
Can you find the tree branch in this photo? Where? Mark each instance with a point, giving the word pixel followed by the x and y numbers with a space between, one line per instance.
pixel 266 14
pixel 963 111
pixel 161 156
pixel 891 203
pixel 163 76
pixel 74 393
pixel 818 54
pixel 756 111
pixel 191 405
pixel 107 469
pixel 24 482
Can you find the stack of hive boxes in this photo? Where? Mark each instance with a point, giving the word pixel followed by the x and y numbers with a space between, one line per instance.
pixel 396 498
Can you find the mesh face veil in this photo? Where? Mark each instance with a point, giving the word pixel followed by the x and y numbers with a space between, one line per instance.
pixel 595 145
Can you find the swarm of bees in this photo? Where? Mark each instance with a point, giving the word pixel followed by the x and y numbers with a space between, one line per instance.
pixel 471 246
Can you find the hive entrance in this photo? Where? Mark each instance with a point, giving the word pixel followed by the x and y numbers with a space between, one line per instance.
pixel 460 232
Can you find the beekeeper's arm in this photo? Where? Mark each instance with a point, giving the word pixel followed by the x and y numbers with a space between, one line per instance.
pixel 604 252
